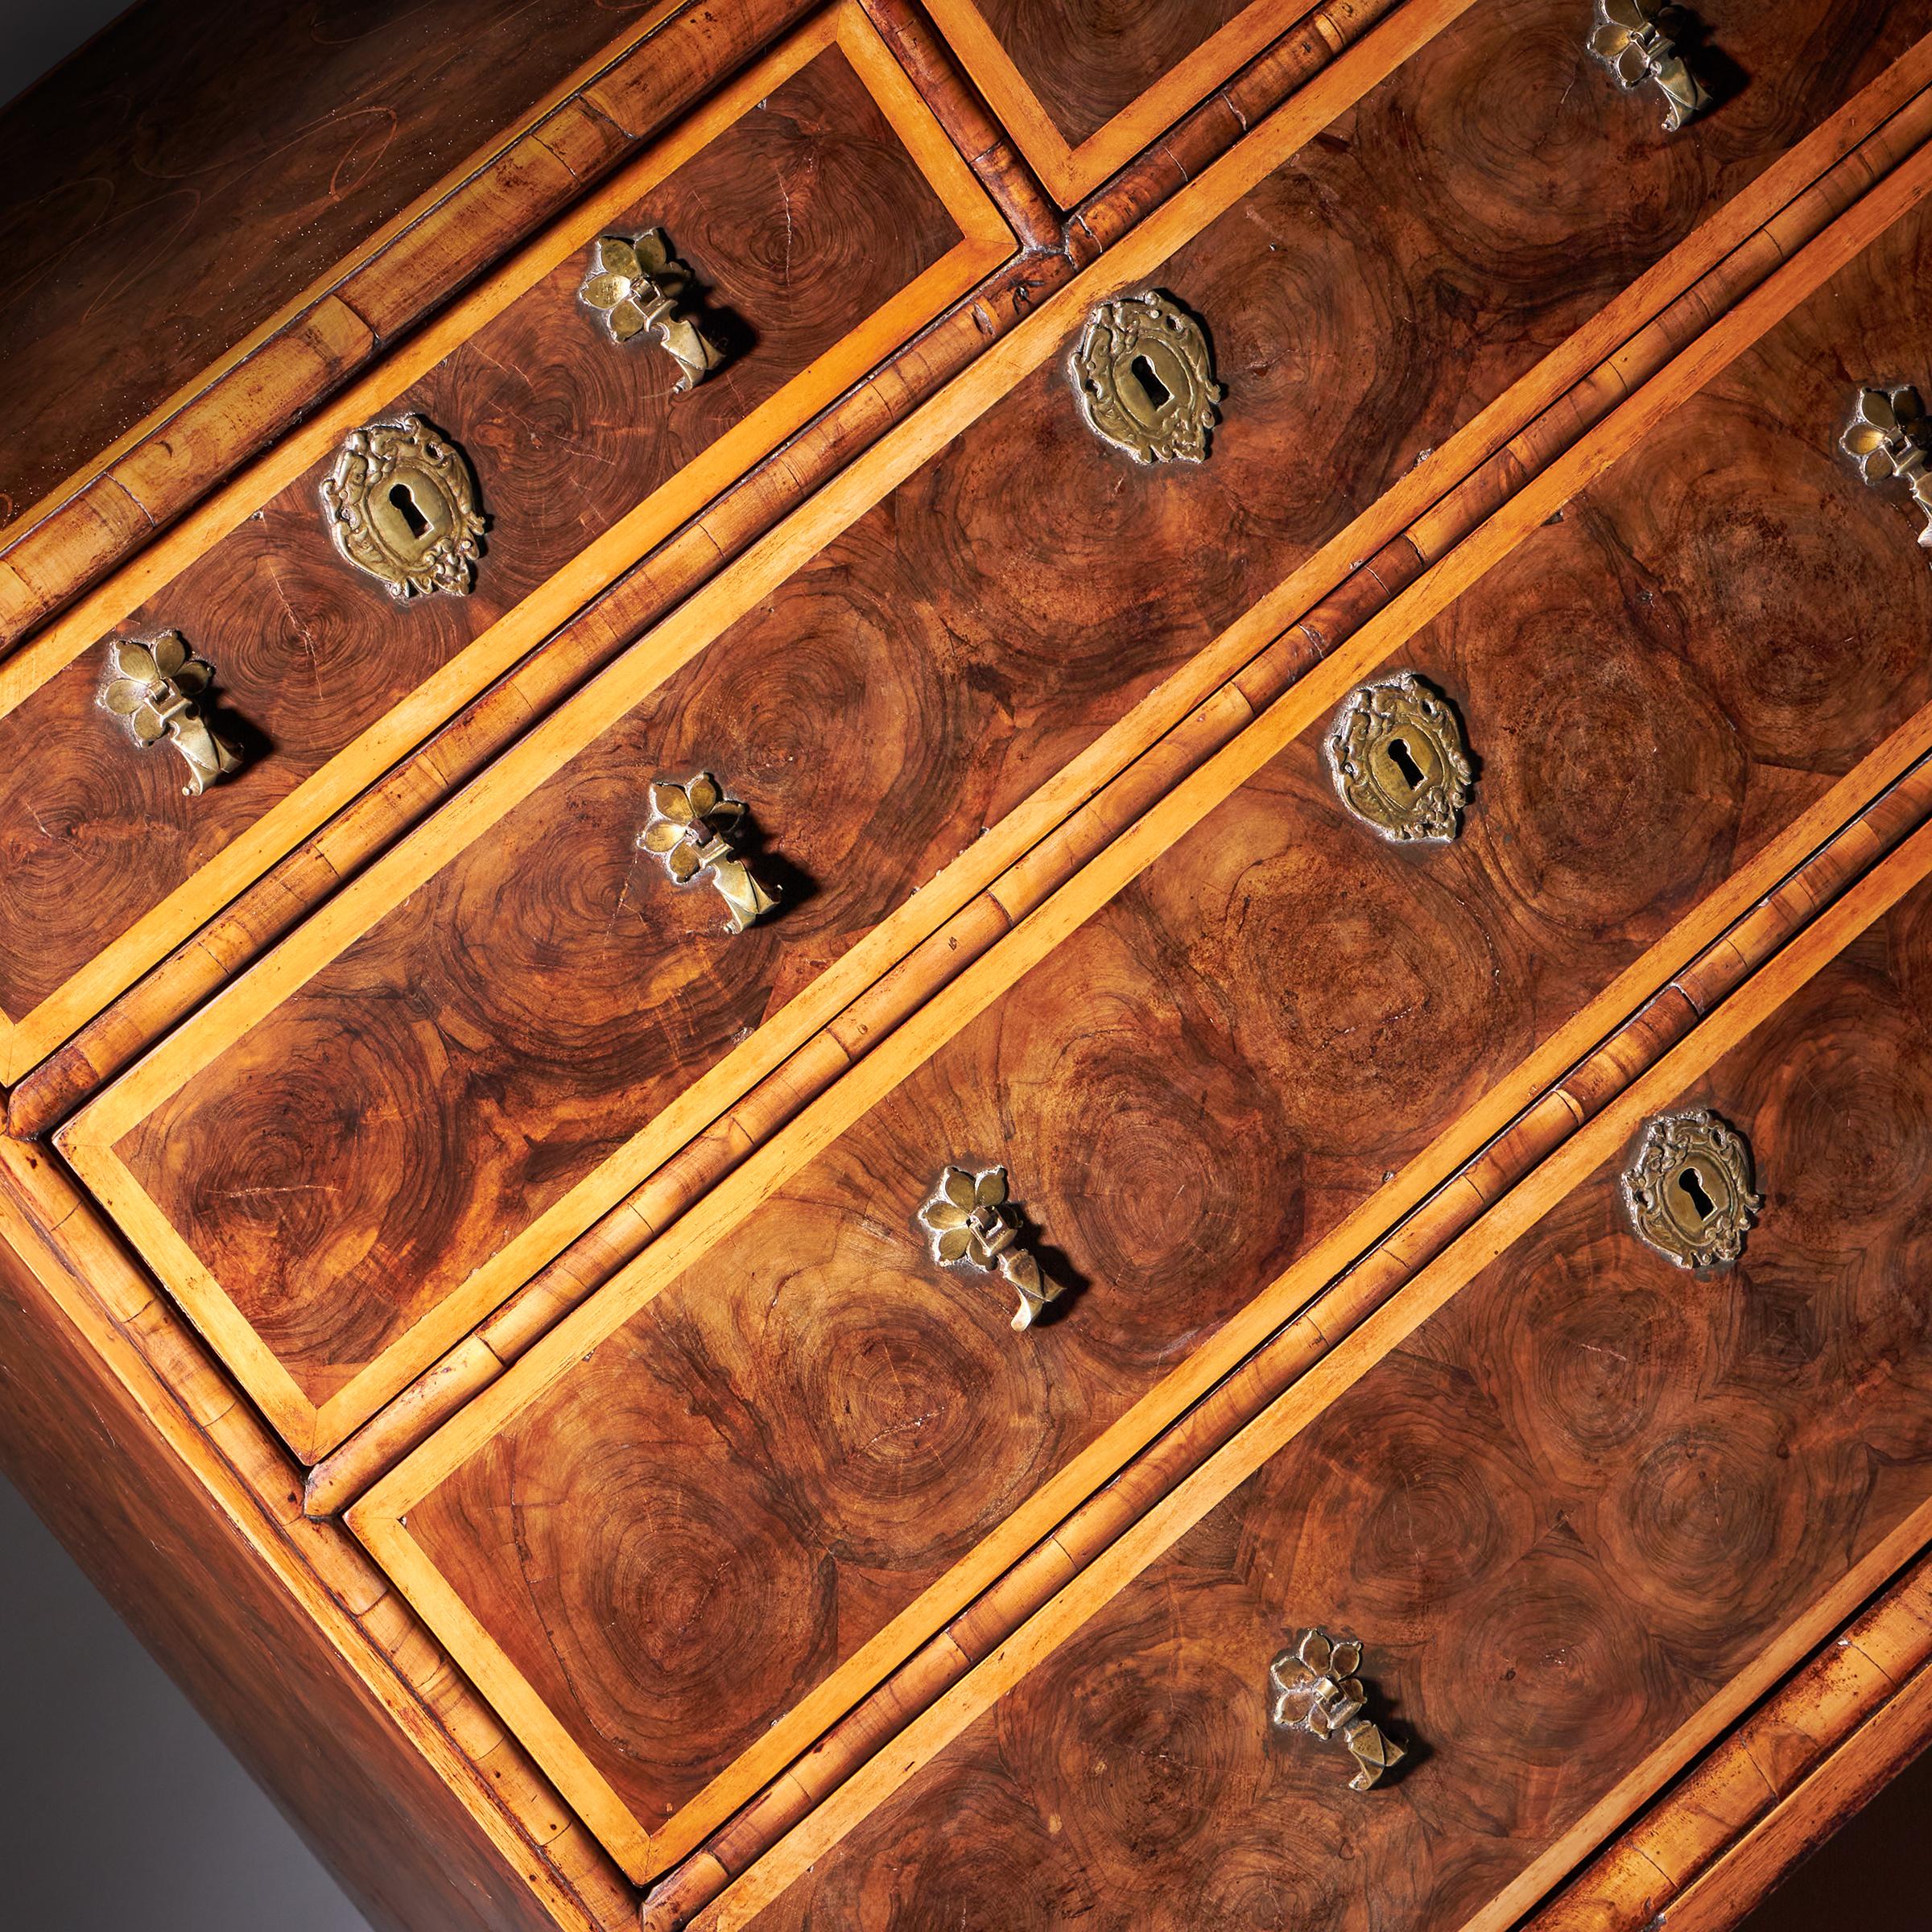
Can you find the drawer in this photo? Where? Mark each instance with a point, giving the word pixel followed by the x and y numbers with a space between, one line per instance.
pixel 1082 89
pixel 491 1037
pixel 1244 1064
pixel 1579 1519
pixel 822 217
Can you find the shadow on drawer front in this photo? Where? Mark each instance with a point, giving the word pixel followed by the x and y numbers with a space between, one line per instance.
pixel 817 216
pixel 702 1518
pixel 490 1038
pixel 1591 1495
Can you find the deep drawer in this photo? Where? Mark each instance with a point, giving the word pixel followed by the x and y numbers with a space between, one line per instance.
pixel 1579 1518
pixel 825 218
pixel 493 1035
pixel 1244 1064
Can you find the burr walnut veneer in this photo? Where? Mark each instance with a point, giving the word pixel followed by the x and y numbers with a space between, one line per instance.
pixel 1294 642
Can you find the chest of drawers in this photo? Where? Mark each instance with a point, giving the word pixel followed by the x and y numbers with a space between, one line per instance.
pixel 998 994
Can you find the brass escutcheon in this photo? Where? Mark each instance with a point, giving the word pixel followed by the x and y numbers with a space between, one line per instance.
pixel 1146 378
pixel 637 287
pixel 402 505
pixel 1689 1189
pixel 1398 759
pixel 158 684
pixel 1888 438
pixel 690 829
pixel 1628 39
pixel 972 1222
pixel 1314 1689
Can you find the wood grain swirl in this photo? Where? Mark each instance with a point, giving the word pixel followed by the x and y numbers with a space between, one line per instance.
pixel 547 995
pixel 1562 1516
pixel 798 220
pixel 1231 1056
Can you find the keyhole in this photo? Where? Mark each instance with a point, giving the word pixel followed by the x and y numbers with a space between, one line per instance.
pixel 398 495
pixel 1398 750
pixel 1693 1190
pixel 1159 394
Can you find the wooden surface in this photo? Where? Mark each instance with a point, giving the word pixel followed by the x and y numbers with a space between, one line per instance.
pixel 1085 87
pixel 194 166
pixel 179 1555
pixel 1089 60
pixel 1724 272
pixel 1770 1791
pixel 1188 1094
pixel 949 589
pixel 814 229
pixel 1562 1516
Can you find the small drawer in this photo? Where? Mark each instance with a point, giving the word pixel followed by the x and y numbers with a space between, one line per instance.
pixel 702 1518
pixel 818 217
pixel 1084 88
pixel 490 1038
pixel 1580 1519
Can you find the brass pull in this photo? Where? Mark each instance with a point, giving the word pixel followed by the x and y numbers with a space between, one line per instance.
pixel 1887 438
pixel 1689 1189
pixel 157 684
pixel 1399 761
pixel 972 1221
pixel 690 829
pixel 1144 376
pixel 402 505
pixel 1316 1690
pixel 637 287
pixel 1629 41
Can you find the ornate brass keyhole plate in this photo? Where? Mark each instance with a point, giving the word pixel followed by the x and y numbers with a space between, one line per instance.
pixel 1398 759
pixel 402 505
pixel 1689 1189
pixel 1145 379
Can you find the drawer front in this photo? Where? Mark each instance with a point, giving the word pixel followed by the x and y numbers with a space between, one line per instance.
pixel 485 1042
pixel 1082 88
pixel 814 1438
pixel 825 218
pixel 1578 1519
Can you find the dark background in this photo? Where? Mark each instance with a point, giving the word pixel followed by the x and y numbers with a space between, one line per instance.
pixel 120 1808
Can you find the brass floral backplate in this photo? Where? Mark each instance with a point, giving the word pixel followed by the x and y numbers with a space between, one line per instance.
pixel 1313 1687
pixel 973 1224
pixel 160 687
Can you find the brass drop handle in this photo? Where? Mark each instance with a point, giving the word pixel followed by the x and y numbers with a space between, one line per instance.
pixel 1628 39
pixel 1399 761
pixel 639 287
pixel 159 685
pixel 1689 1189
pixel 1888 438
pixel 1314 1689
pixel 690 829
pixel 973 1224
